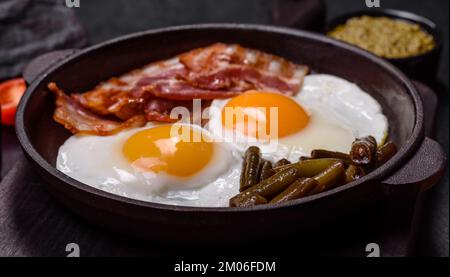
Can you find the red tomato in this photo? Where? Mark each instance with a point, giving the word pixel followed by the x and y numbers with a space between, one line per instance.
pixel 10 93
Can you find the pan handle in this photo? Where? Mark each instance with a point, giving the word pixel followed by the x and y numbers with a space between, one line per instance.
pixel 421 172
pixel 43 63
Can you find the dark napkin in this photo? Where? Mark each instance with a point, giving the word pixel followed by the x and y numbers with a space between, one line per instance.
pixel 29 28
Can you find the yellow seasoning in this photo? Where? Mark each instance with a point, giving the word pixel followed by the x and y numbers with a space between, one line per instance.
pixel 385 37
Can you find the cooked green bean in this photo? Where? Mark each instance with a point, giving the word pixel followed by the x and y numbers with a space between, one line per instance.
pixel 269 187
pixel 363 151
pixel 282 179
pixel 371 140
pixel 261 183
pixel 300 188
pixel 324 154
pixel 303 158
pixel 283 167
pixel 252 200
pixel 250 169
pixel 385 153
pixel 310 167
pixel 282 162
pixel 353 173
pixel 331 177
pixel 266 170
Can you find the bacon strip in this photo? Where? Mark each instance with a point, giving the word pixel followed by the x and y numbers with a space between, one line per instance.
pixel 216 71
pixel 149 94
pixel 243 79
pixel 158 109
pixel 82 121
pixel 181 90
pixel 78 119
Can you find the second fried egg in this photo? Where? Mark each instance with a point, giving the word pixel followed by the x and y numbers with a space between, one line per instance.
pixel 328 113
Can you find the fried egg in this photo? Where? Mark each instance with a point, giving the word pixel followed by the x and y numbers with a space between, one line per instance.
pixel 173 164
pixel 328 113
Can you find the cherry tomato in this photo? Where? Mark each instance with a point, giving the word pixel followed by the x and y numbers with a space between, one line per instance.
pixel 10 93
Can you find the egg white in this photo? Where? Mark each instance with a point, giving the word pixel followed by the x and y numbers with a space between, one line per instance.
pixel 345 103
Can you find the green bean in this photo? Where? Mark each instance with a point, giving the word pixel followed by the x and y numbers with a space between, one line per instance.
pixel 266 170
pixel 250 168
pixel 303 158
pixel 300 188
pixel 281 168
pixel 353 173
pixel 309 168
pixel 363 151
pixel 324 154
pixel 331 177
pixel 385 153
pixel 282 162
pixel 283 179
pixel 276 183
pixel 252 200
pixel 269 187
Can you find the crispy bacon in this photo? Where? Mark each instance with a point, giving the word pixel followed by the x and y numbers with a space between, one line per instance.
pixel 242 79
pixel 174 89
pixel 220 55
pixel 150 93
pixel 79 120
pixel 220 63
pixel 217 71
pixel 123 104
pixel 158 109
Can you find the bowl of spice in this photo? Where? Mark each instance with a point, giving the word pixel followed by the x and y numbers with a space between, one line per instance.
pixel 409 41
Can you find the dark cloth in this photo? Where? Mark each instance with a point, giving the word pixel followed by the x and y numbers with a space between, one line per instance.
pixel 29 28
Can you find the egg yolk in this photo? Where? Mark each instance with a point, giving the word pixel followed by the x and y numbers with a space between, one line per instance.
pixel 158 149
pixel 256 114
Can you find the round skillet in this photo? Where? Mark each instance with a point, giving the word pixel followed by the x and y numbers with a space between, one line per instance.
pixel 418 164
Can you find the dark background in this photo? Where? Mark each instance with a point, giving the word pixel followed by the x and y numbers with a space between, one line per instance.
pixel 105 19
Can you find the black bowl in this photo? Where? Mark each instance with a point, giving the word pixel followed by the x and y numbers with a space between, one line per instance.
pixel 421 67
pixel 418 163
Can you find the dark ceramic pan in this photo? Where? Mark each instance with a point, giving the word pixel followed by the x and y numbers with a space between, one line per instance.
pixel 418 164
